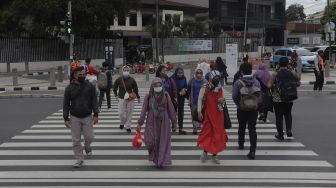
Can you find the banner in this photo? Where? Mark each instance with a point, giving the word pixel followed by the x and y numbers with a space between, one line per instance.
pixel 231 59
pixel 194 45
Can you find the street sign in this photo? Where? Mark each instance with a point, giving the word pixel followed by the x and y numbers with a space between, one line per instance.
pixel 329 27
pixel 293 40
pixel 305 40
pixel 317 40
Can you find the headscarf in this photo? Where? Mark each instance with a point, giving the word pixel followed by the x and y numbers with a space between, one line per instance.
pixel 214 73
pixel 175 73
pixel 221 67
pixel 195 76
pixel 157 101
pixel 263 73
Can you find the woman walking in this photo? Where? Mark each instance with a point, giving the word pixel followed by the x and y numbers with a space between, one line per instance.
pixel 194 87
pixel 263 76
pixel 159 113
pixel 126 90
pixel 213 137
pixel 222 68
pixel 181 86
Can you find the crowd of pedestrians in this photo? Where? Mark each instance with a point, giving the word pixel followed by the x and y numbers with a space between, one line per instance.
pixel 163 107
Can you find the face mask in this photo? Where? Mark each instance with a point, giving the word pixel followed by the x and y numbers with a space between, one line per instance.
pixel 158 89
pixel 125 74
pixel 215 82
pixel 81 79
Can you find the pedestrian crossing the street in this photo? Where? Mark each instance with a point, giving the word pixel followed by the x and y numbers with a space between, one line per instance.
pixel 42 156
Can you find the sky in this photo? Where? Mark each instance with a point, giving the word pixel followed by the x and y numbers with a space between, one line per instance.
pixel 311 6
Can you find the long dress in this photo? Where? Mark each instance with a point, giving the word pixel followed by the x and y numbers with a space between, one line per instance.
pixel 157 134
pixel 213 136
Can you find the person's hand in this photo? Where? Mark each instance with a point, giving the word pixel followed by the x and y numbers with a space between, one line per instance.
pixel 95 120
pixel 174 126
pixel 139 100
pixel 200 116
pixel 67 124
pixel 221 100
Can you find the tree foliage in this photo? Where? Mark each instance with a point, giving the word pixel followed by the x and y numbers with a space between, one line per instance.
pixel 324 19
pixel 43 16
pixel 295 12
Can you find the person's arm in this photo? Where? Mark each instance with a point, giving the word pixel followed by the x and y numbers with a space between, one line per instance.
pixel 171 110
pixel 271 80
pixel 144 111
pixel 189 88
pixel 235 92
pixel 173 87
pixel 296 75
pixel 316 62
pixel 135 88
pixel 94 101
pixel 200 99
pixel 66 105
pixel 115 87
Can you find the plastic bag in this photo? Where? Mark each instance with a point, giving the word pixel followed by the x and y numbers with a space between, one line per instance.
pixel 137 140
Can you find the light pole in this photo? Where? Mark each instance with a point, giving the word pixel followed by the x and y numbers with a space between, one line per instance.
pixel 71 36
pixel 245 26
pixel 157 32
pixel 327 70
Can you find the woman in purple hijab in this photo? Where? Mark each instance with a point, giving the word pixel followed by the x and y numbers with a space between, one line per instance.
pixel 159 112
pixel 263 76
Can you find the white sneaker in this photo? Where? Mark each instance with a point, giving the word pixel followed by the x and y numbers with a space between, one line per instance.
pixel 215 160
pixel 204 157
pixel 78 164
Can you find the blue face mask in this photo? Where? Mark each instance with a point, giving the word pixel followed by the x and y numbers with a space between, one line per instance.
pixel 125 74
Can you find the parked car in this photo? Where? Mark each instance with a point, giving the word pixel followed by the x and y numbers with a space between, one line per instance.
pixel 325 50
pixel 305 57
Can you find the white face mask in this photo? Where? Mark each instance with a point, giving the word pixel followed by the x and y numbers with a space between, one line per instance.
pixel 125 73
pixel 158 89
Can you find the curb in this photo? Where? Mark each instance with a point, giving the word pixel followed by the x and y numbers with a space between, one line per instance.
pixel 50 88
pixel 16 96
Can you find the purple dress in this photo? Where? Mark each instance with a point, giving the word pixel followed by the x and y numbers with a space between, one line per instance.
pixel 157 135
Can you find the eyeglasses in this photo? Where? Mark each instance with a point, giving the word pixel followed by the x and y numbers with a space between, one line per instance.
pixel 199 72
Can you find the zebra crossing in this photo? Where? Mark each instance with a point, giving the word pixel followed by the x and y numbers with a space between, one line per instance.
pixel 42 156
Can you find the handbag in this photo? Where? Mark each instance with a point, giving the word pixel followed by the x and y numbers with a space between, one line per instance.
pixel 268 101
pixel 137 140
pixel 227 119
pixel 128 96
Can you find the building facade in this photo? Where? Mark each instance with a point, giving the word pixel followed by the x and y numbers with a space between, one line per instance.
pixel 265 18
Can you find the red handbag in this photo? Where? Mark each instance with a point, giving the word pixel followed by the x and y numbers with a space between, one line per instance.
pixel 137 140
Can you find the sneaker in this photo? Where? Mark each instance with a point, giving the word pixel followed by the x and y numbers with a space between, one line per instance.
pixel 78 164
pixel 289 134
pixel 183 132
pixel 215 160
pixel 251 155
pixel 204 157
pixel 281 138
pixel 129 130
pixel 88 152
pixel 121 126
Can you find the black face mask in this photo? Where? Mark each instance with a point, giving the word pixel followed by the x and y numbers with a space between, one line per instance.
pixel 215 82
pixel 81 79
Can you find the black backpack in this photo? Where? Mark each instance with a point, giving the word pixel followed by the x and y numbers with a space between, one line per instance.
pixel 286 86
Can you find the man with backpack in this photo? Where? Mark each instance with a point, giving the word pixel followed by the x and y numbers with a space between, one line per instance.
pixel 284 84
pixel 246 94
pixel 104 84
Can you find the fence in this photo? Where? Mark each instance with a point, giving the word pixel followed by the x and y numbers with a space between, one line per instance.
pixel 52 49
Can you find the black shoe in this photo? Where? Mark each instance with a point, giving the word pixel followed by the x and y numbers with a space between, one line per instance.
pixel 129 130
pixel 281 138
pixel 261 117
pixel 251 155
pixel 241 147
pixel 121 126
pixel 182 132
pixel 289 134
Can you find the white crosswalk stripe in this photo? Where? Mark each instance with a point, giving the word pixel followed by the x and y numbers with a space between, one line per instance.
pixel 42 157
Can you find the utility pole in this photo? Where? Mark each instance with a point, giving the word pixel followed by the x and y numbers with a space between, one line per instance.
pixel 71 36
pixel 157 32
pixel 327 69
pixel 245 26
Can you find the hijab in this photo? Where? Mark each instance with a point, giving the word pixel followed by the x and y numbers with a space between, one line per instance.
pixel 158 101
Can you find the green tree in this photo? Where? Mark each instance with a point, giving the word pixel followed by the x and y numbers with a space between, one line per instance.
pixel 295 12
pixel 324 19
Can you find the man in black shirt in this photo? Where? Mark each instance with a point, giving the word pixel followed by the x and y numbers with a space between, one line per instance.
pixel 80 100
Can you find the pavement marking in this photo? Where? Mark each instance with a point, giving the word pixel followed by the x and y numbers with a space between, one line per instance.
pixel 94 162
pixel 145 152
pixel 128 144
pixel 32 131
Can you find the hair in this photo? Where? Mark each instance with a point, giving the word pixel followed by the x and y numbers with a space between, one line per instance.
pixel 220 64
pixel 283 62
pixel 320 52
pixel 105 64
pixel 74 71
pixel 158 71
pixel 246 68
pixel 88 60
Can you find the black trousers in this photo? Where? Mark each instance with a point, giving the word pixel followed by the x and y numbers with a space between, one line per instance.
pixel 108 97
pixel 319 80
pixel 247 118
pixel 180 111
pixel 283 109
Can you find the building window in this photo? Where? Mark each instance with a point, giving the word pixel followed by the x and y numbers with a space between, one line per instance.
pixel 133 19
pixel 168 17
pixel 121 20
pixel 147 19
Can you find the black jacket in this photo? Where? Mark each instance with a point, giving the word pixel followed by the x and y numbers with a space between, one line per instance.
pixel 80 100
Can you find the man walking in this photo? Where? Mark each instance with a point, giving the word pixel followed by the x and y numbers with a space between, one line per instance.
pixel 319 71
pixel 245 94
pixel 80 100
pixel 105 85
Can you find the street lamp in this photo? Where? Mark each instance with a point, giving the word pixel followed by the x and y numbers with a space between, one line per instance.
pixel 245 26
pixel 157 32
pixel 327 71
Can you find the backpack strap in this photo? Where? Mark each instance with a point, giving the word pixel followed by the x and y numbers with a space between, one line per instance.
pixel 242 82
